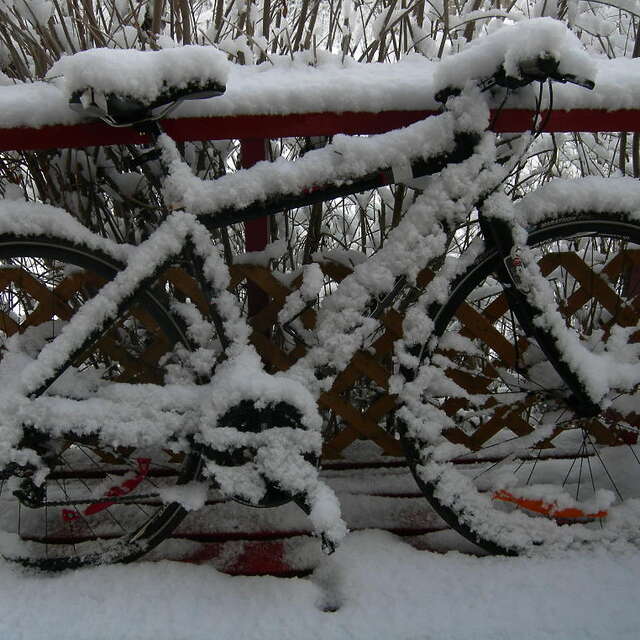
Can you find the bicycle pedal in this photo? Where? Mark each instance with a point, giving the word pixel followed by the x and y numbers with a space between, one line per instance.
pixel 31 495
pixel 328 546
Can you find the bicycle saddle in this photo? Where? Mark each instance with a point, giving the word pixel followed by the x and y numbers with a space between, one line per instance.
pixel 125 86
pixel 122 110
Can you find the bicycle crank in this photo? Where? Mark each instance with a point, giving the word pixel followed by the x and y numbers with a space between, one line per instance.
pixel 247 418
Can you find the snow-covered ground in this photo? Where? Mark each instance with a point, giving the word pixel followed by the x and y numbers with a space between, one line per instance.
pixel 381 587
pixel 376 586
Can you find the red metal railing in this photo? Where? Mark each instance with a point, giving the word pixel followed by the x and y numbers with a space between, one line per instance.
pixel 305 124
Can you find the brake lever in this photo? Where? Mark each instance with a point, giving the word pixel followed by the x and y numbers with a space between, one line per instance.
pixel 540 69
pixel 544 67
pixel 573 79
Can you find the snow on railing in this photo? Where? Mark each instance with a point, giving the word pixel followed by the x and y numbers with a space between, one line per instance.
pixel 299 100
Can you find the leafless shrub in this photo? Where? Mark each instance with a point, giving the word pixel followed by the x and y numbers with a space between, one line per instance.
pixel 97 186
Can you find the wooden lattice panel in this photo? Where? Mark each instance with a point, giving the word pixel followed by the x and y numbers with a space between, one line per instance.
pixel 30 300
pixel 349 419
pixel 488 327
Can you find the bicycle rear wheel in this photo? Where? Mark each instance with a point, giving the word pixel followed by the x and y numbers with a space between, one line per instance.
pixel 99 503
pixel 516 465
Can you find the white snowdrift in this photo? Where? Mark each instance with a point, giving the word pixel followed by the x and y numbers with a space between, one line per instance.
pixel 384 590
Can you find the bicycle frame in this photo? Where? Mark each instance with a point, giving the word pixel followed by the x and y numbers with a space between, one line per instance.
pixel 178 228
pixel 181 229
pixel 466 160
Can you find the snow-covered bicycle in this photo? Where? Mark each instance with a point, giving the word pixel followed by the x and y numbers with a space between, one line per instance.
pixel 516 370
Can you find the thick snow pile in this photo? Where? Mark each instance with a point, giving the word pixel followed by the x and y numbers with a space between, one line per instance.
pixel 382 590
pixel 286 85
pixel 519 43
pixel 143 75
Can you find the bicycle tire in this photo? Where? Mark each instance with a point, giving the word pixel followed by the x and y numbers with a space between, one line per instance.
pixel 503 473
pixel 44 280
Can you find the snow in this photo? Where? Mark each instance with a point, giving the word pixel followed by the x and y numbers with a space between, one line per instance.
pixel 140 74
pixel 381 587
pixel 20 218
pixel 345 159
pixel 514 45
pixel 591 194
pixel 287 85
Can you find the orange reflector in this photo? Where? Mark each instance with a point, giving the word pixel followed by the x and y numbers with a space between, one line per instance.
pixel 546 509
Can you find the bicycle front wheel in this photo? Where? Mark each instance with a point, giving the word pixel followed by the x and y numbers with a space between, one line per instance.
pixel 517 466
pixel 99 503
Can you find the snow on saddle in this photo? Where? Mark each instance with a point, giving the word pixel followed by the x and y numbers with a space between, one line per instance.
pixel 126 86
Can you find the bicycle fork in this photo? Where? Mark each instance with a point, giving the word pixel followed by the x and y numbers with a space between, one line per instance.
pixel 498 234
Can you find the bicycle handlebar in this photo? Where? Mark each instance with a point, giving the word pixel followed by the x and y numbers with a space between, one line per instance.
pixel 539 69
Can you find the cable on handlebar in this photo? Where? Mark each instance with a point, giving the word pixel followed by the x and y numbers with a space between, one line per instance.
pixel 549 111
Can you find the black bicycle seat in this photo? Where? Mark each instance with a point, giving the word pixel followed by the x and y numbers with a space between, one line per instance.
pixel 121 110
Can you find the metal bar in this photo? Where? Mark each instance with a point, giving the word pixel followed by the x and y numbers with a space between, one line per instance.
pixel 90 134
pixel 254 150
